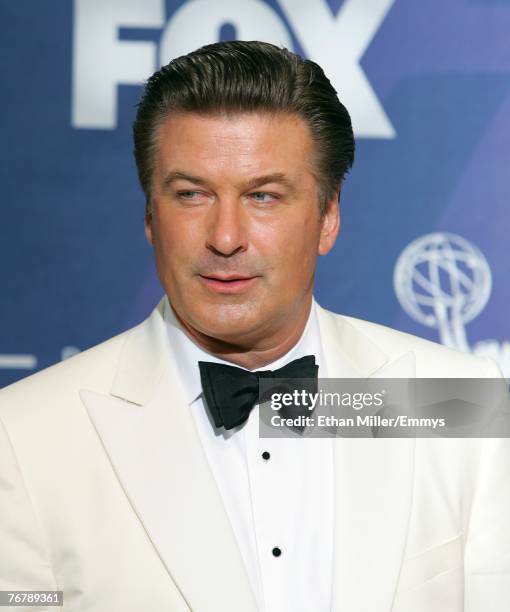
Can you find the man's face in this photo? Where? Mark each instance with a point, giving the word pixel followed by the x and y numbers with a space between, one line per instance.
pixel 235 223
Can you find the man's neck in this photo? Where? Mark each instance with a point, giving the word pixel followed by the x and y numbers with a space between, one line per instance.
pixel 259 353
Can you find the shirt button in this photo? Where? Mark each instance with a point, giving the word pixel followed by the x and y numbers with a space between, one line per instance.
pixel 266 455
pixel 276 551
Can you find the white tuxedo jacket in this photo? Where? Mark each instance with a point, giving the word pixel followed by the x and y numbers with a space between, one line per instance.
pixel 106 494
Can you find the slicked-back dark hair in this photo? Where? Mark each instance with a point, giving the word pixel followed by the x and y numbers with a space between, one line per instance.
pixel 239 77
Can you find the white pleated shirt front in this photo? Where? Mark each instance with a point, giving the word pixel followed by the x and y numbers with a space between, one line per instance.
pixel 284 502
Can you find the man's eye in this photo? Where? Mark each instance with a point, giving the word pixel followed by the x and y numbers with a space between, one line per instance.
pixel 189 195
pixel 263 196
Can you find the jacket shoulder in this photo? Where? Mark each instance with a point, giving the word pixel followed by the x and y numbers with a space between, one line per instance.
pixel 93 367
pixel 433 359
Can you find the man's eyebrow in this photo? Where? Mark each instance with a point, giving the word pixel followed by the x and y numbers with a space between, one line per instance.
pixel 177 175
pixel 277 177
pixel 258 181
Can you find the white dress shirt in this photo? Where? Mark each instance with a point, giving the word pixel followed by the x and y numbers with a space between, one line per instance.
pixel 284 502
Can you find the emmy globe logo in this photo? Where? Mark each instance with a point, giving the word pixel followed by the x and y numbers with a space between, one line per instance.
pixel 443 281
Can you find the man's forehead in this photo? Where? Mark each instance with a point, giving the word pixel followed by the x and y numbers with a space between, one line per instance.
pixel 238 125
pixel 252 143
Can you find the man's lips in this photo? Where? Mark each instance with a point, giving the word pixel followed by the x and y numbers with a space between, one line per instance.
pixel 227 283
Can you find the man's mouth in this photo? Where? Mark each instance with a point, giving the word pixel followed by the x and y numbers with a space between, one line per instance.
pixel 227 283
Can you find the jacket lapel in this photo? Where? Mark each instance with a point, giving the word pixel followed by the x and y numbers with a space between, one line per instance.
pixel 150 437
pixel 373 481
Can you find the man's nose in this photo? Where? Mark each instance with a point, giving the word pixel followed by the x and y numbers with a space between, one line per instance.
pixel 227 227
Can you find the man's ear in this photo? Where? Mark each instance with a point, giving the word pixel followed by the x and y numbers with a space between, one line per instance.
pixel 330 224
pixel 148 225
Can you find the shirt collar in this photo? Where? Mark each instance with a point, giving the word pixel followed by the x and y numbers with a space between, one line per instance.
pixel 187 353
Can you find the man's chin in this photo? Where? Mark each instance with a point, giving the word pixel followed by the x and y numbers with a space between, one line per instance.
pixel 230 323
pixel 232 332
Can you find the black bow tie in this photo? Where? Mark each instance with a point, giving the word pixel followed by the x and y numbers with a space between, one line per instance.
pixel 231 392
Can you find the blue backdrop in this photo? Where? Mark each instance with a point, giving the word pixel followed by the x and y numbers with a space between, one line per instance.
pixel 423 245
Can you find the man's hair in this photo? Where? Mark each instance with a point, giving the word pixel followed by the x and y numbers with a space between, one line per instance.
pixel 243 77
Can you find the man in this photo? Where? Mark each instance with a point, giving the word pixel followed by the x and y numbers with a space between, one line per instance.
pixel 130 479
